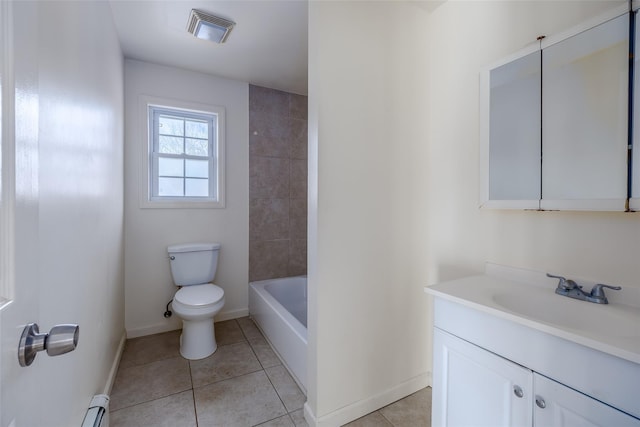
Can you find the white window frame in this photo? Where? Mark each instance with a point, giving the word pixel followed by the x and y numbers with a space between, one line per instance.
pixel 149 158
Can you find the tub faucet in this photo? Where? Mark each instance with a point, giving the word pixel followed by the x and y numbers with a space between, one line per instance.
pixel 571 289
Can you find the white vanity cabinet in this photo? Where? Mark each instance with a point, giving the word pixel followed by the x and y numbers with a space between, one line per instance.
pixel 561 406
pixel 508 351
pixel 475 387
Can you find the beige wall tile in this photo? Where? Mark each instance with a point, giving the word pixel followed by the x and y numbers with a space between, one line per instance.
pixel 298 140
pixel 268 259
pixel 298 180
pixel 298 219
pixel 269 219
pixel 297 257
pixel 278 172
pixel 268 177
pixel 269 135
pixel 262 99
pixel 298 106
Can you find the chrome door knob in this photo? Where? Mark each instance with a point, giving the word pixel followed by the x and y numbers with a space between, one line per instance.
pixel 61 339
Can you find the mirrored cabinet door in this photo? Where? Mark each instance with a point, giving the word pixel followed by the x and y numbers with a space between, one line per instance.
pixel 584 119
pixel 512 137
pixel 514 129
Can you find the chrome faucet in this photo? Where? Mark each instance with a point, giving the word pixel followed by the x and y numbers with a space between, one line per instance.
pixel 571 289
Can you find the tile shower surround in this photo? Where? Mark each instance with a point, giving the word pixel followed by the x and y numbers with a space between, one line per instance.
pixel 277 184
pixel 242 384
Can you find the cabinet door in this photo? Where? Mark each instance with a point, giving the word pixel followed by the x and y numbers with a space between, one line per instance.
pixel 584 119
pixel 559 406
pixel 474 387
pixel 511 98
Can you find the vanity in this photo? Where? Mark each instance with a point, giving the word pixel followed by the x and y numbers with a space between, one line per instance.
pixel 509 351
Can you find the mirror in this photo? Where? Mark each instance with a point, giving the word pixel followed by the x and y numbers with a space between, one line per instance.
pixel 555 131
pixel 514 130
pixel 584 115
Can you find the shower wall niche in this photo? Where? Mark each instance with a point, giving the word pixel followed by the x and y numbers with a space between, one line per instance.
pixel 277 184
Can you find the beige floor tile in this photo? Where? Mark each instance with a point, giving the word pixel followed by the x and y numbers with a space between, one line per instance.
pixel 227 362
pixel 138 351
pixel 242 401
pixel 249 328
pixel 412 411
pixel 228 332
pixel 154 380
pixel 286 388
pixel 283 421
pixel 374 419
pixel 298 418
pixel 265 353
pixel 176 410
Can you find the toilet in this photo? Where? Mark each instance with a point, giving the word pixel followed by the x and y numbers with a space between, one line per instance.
pixel 193 267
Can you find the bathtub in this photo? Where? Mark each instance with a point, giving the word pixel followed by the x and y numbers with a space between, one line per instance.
pixel 279 308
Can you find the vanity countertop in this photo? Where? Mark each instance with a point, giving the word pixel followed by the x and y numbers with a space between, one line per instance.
pixel 612 328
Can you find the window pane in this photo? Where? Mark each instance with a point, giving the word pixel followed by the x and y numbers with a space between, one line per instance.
pixel 170 187
pixel 197 147
pixel 197 188
pixel 170 144
pixel 170 167
pixel 197 129
pixel 197 168
pixel 171 126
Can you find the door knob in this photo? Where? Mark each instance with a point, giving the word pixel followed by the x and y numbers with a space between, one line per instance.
pixel 61 339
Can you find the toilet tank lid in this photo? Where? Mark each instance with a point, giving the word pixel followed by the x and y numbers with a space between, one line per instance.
pixel 193 247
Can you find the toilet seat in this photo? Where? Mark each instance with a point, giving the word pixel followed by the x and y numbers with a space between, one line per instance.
pixel 199 296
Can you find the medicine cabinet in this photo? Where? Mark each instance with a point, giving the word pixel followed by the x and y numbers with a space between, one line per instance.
pixel 555 122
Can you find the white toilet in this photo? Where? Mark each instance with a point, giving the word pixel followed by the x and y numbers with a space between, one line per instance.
pixel 193 267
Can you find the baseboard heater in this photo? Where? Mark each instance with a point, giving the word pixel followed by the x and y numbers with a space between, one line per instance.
pixel 98 412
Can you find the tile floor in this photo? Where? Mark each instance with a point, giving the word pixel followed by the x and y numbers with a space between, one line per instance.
pixel 242 384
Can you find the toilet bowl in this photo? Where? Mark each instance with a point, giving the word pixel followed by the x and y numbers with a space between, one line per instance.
pixel 193 266
pixel 197 305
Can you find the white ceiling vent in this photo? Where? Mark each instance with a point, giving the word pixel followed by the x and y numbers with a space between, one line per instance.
pixel 209 27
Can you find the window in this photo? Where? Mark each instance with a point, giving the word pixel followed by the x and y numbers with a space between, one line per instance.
pixel 184 160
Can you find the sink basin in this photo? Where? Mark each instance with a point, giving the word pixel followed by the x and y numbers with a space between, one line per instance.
pixel 544 305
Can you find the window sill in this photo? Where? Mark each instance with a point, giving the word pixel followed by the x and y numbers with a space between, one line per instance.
pixel 181 204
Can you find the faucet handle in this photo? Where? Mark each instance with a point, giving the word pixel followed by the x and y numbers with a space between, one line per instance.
pixel 564 283
pixel 597 291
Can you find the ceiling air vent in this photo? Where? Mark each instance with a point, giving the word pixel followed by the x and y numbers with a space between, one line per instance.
pixel 209 27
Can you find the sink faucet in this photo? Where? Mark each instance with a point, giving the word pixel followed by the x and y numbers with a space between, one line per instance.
pixel 571 289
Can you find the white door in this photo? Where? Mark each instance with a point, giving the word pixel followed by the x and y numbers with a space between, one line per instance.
pixel 560 406
pixel 474 387
pixel 19 217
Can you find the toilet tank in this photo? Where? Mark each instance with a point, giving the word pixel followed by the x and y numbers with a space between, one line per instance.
pixel 193 263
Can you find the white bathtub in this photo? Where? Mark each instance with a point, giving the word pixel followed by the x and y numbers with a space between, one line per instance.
pixel 279 308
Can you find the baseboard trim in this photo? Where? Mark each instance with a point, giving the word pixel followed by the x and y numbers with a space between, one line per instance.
pixel 363 407
pixel 167 327
pixel 114 366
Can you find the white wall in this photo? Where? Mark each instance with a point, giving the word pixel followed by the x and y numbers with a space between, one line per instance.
pixel 148 284
pixel 69 136
pixel 368 108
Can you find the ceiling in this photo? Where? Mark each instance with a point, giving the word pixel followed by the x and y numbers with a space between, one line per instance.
pixel 267 47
